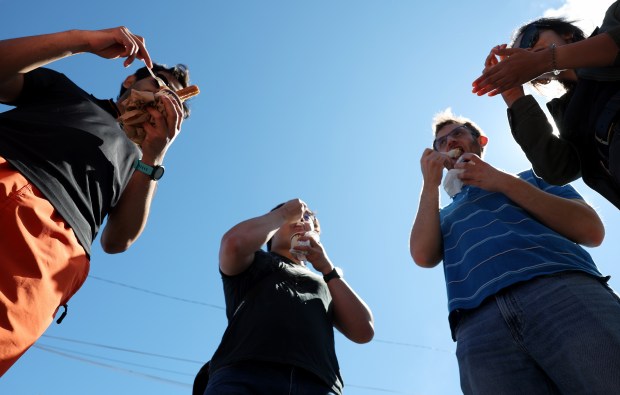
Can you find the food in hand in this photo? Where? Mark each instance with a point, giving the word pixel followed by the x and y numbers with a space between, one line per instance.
pixel 187 92
pixel 455 153
pixel 295 242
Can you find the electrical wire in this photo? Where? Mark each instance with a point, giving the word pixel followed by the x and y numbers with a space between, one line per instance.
pixel 112 367
pixel 223 308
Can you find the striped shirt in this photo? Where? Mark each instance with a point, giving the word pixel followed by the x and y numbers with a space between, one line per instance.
pixel 490 243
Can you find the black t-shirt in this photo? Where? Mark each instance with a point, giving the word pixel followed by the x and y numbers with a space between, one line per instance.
pixel 289 320
pixel 70 146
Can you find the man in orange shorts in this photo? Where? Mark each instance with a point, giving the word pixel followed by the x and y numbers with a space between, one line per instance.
pixel 65 165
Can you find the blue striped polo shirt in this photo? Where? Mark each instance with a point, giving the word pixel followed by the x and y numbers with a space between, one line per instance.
pixel 490 243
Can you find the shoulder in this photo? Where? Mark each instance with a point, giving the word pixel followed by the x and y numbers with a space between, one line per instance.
pixel 566 191
pixel 46 84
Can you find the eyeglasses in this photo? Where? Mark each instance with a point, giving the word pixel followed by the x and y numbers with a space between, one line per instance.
pixel 440 143
pixel 308 216
pixel 530 35
pixel 163 78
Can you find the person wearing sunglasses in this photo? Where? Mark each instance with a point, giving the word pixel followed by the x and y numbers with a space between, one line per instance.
pixel 66 166
pixel 528 308
pixel 280 313
pixel 587 115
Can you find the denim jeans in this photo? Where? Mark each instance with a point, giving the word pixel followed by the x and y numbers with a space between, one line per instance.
pixel 557 334
pixel 264 378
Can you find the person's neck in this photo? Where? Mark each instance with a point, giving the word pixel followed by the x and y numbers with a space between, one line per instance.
pixel 287 254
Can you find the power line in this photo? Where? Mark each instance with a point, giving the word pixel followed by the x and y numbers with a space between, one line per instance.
pixel 123 349
pixel 112 367
pixel 412 345
pixel 157 293
pixel 74 355
pixel 66 350
pixel 223 308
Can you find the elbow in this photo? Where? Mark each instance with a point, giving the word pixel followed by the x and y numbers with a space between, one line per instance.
pixel 364 335
pixel 115 247
pixel 422 259
pixel 556 175
pixel 232 243
pixel 594 237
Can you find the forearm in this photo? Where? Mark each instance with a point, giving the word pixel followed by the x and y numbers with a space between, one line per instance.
pixel 239 244
pixel 425 242
pixel 128 219
pixel 20 55
pixel 352 316
pixel 597 51
pixel 571 218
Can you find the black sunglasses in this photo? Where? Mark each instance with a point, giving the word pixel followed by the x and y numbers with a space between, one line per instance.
pixel 530 35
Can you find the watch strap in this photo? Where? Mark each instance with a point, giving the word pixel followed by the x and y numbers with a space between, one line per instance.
pixel 335 273
pixel 146 169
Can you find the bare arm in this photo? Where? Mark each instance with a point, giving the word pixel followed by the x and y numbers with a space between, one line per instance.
pixel 239 244
pixel 20 55
pixel 352 316
pixel 128 218
pixel 425 241
pixel 572 218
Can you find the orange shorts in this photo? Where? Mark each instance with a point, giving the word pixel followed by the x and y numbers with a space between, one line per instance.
pixel 41 264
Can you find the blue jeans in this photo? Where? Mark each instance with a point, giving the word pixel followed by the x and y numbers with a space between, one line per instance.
pixel 557 334
pixel 265 378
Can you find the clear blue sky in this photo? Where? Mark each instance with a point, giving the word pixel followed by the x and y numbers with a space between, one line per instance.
pixel 329 101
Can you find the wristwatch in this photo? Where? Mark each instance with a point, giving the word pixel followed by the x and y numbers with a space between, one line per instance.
pixel 335 273
pixel 154 172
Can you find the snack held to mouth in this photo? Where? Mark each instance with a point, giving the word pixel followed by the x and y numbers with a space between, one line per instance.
pixel 295 242
pixel 187 92
pixel 455 153
pixel 135 109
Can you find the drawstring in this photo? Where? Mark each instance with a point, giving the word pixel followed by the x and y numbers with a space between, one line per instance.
pixel 63 315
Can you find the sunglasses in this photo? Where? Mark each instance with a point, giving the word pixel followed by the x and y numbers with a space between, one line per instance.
pixel 530 35
pixel 440 143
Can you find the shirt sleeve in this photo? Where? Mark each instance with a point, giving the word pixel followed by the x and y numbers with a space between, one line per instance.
pixel 553 158
pixel 565 191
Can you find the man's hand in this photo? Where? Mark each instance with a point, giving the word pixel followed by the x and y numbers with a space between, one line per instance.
pixel 161 130
pixel 432 164
pixel 480 174
pixel 293 210
pixel 315 254
pixel 115 43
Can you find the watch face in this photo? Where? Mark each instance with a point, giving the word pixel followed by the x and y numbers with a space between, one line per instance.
pixel 158 172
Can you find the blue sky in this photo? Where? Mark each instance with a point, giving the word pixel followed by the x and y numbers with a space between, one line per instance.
pixel 327 101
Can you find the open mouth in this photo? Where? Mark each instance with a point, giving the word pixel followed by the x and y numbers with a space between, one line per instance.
pixel 455 153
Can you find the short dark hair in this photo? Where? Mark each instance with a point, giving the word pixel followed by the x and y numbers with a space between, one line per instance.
pixel 315 220
pixel 179 71
pixel 561 26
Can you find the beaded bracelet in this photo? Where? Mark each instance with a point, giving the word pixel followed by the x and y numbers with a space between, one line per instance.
pixel 554 68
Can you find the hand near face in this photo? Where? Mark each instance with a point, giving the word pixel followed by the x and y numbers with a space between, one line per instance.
pixel 506 68
pixel 432 164
pixel 478 173
pixel 115 43
pixel 293 210
pixel 315 253
pixel 162 129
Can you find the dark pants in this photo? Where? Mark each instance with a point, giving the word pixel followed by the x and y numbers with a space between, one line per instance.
pixel 264 378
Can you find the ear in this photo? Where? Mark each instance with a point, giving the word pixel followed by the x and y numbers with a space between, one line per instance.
pixel 129 81
pixel 568 37
pixel 483 140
